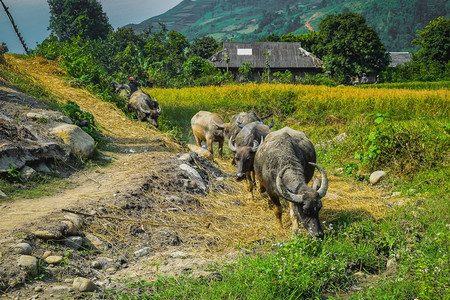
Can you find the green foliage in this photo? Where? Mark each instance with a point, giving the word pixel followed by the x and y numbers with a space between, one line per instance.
pixel 348 46
pixel 246 71
pixel 14 175
pixel 435 42
pixel 283 77
pixel 204 47
pixel 3 50
pixel 72 18
pixel 83 119
pixel 403 148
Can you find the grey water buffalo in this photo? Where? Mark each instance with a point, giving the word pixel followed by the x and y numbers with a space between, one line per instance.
pixel 240 120
pixel 144 107
pixel 209 127
pixel 244 146
pixel 284 164
pixel 121 89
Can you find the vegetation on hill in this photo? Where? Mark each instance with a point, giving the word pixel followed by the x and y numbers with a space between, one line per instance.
pixel 396 22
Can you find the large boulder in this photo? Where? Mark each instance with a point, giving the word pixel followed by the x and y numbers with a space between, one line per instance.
pixel 81 143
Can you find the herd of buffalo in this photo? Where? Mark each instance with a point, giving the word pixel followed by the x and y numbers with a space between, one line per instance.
pixel 282 161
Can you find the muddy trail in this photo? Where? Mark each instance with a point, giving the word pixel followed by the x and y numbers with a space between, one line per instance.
pixel 139 213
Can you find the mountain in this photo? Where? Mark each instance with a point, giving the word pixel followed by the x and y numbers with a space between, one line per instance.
pixel 396 21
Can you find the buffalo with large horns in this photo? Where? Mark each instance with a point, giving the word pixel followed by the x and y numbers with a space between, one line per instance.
pixel 284 164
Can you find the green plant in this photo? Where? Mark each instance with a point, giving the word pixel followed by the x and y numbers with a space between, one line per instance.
pixel 14 175
pixel 246 71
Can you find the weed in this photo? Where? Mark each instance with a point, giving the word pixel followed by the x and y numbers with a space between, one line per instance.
pixel 14 175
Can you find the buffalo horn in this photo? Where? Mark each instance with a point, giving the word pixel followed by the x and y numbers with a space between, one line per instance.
pixel 158 110
pixel 324 184
pixel 284 191
pixel 218 125
pixel 231 144
pixel 256 144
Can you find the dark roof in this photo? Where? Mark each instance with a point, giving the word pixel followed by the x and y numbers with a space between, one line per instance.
pixel 399 58
pixel 283 55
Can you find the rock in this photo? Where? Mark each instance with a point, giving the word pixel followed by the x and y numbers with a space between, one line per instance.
pixel 142 252
pixel 396 194
pixel 74 242
pixel 46 235
pixel 35 116
pixel 46 254
pixel 27 173
pixel 68 228
pixel 42 168
pixel 194 176
pixel 29 264
pixel 81 143
pixel 376 176
pixel 64 119
pixel 202 152
pixel 75 219
pixel 93 241
pixel 84 285
pixel 391 267
pixel 3 195
pixel 23 248
pixel 54 259
pixel 179 254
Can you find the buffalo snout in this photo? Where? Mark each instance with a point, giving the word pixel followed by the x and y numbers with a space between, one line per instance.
pixel 239 176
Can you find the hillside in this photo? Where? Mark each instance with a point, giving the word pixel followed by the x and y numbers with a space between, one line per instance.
pixel 140 210
pixel 249 20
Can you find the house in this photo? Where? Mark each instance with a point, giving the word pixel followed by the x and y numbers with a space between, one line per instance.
pixel 280 56
pixel 399 58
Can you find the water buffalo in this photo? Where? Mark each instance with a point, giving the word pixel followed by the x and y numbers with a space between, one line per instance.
pixel 209 127
pixel 121 89
pixel 284 164
pixel 145 109
pixel 244 146
pixel 240 120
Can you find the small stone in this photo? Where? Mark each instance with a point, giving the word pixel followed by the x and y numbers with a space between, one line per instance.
pixel 84 285
pixel 179 254
pixel 53 259
pixel 23 248
pixel 38 289
pixel 29 264
pixel 143 252
pixel 376 176
pixel 27 173
pixel 69 228
pixel 76 219
pixel 74 242
pixel 396 194
pixel 3 195
pixel 45 235
pixel 46 254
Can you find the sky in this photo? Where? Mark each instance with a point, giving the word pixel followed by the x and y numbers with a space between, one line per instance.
pixel 32 18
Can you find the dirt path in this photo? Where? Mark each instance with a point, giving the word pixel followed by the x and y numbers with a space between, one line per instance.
pixel 136 143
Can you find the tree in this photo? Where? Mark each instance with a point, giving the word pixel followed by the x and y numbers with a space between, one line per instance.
pixel 348 46
pixel 435 42
pixel 84 18
pixel 204 47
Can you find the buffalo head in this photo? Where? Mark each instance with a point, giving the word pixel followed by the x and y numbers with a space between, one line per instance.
pixel 306 201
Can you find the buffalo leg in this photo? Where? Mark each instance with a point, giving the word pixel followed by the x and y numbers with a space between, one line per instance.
pixel 250 185
pixel 210 146
pixel 293 212
pixel 220 148
pixel 277 209
pixel 198 141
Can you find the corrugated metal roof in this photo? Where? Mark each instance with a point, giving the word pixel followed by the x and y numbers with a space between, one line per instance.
pixel 399 58
pixel 281 55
